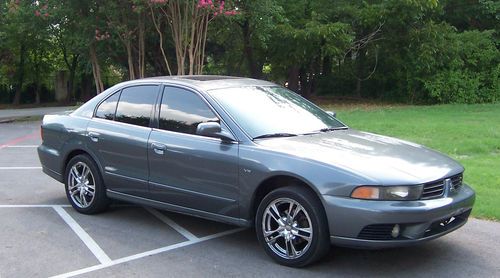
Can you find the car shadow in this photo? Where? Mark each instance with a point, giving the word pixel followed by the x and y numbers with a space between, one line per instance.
pixel 445 257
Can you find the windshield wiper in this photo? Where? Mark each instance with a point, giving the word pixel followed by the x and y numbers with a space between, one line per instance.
pixel 326 129
pixel 271 135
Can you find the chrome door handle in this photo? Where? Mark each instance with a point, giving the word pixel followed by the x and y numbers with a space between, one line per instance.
pixel 158 148
pixel 94 136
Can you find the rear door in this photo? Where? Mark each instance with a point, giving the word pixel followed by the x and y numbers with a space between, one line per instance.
pixel 186 169
pixel 118 135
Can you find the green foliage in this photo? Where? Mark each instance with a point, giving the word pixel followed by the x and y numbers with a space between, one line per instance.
pixel 467 70
pixel 414 51
pixel 25 49
pixel 296 45
pixel 417 56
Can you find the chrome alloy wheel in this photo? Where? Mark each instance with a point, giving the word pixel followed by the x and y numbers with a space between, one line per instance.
pixel 81 185
pixel 287 228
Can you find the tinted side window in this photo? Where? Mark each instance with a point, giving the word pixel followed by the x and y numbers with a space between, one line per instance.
pixel 182 111
pixel 136 104
pixel 107 109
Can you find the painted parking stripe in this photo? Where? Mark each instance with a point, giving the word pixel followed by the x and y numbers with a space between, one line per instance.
pixel 34 206
pixel 84 236
pixel 64 206
pixel 21 168
pixel 165 219
pixel 20 139
pixel 147 253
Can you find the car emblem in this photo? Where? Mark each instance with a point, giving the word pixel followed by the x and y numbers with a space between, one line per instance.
pixel 448 184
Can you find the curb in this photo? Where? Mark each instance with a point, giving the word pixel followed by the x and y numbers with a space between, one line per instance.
pixel 7 120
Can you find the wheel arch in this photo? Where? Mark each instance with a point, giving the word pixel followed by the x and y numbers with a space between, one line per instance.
pixel 277 181
pixel 73 153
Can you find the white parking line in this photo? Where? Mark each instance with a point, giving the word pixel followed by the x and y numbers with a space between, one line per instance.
pixel 165 219
pixel 84 236
pixel 147 253
pixel 21 168
pixel 103 258
pixel 34 206
pixel 22 146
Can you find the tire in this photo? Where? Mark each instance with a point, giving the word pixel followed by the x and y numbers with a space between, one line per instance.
pixel 296 239
pixel 85 188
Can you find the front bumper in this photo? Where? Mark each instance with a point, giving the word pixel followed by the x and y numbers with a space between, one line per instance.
pixel 368 224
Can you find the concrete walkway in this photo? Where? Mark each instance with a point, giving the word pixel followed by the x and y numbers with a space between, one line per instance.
pixel 12 114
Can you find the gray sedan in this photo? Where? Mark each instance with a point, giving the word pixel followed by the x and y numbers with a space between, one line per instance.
pixel 248 152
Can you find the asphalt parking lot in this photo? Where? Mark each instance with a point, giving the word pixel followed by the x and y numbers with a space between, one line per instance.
pixel 42 236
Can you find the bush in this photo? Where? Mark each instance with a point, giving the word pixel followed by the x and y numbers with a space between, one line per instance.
pixel 471 75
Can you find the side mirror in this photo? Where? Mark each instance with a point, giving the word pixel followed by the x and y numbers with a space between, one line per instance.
pixel 332 113
pixel 213 129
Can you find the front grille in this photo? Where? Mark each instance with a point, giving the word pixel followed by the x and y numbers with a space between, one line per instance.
pixel 377 232
pixel 436 189
pixel 433 190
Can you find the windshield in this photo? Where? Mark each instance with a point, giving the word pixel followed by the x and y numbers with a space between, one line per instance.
pixel 267 111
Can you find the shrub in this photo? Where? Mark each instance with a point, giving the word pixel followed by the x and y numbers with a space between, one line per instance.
pixel 471 74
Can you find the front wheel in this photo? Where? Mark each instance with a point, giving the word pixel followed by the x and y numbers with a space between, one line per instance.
pixel 291 226
pixel 84 186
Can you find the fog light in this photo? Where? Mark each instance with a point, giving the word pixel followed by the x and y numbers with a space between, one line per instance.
pixel 395 231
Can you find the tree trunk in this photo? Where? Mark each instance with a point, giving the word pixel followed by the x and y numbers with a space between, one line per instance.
pixel 37 91
pixel 141 49
pixel 204 44
pixel 20 76
pixel 293 78
pixel 37 77
pixel 192 47
pixel 327 66
pixel 96 70
pixel 72 72
pixel 86 92
pixel 304 83
pixel 130 59
pixel 253 66
pixel 157 25
pixel 360 68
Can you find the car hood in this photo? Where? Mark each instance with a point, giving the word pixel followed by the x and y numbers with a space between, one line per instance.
pixel 380 159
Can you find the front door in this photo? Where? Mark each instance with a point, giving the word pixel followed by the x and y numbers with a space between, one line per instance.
pixel 186 169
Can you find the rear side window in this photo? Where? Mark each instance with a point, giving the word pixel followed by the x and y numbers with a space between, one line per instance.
pixel 182 110
pixel 136 104
pixel 107 109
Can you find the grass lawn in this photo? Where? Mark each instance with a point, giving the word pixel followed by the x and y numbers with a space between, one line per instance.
pixel 468 133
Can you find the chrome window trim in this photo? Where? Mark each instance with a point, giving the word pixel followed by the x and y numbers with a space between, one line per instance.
pixel 194 136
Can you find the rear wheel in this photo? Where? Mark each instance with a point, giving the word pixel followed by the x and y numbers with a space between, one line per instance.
pixel 84 186
pixel 291 226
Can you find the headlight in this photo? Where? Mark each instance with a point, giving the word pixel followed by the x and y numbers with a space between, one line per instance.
pixel 412 192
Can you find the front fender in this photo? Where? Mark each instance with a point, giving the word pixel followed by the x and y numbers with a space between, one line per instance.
pixel 258 165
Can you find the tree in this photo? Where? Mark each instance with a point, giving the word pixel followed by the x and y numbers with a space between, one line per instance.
pixel 125 20
pixel 17 35
pixel 417 51
pixel 307 41
pixel 69 34
pixel 257 23
pixel 189 21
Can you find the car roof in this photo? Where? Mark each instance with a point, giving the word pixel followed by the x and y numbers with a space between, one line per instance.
pixel 208 82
